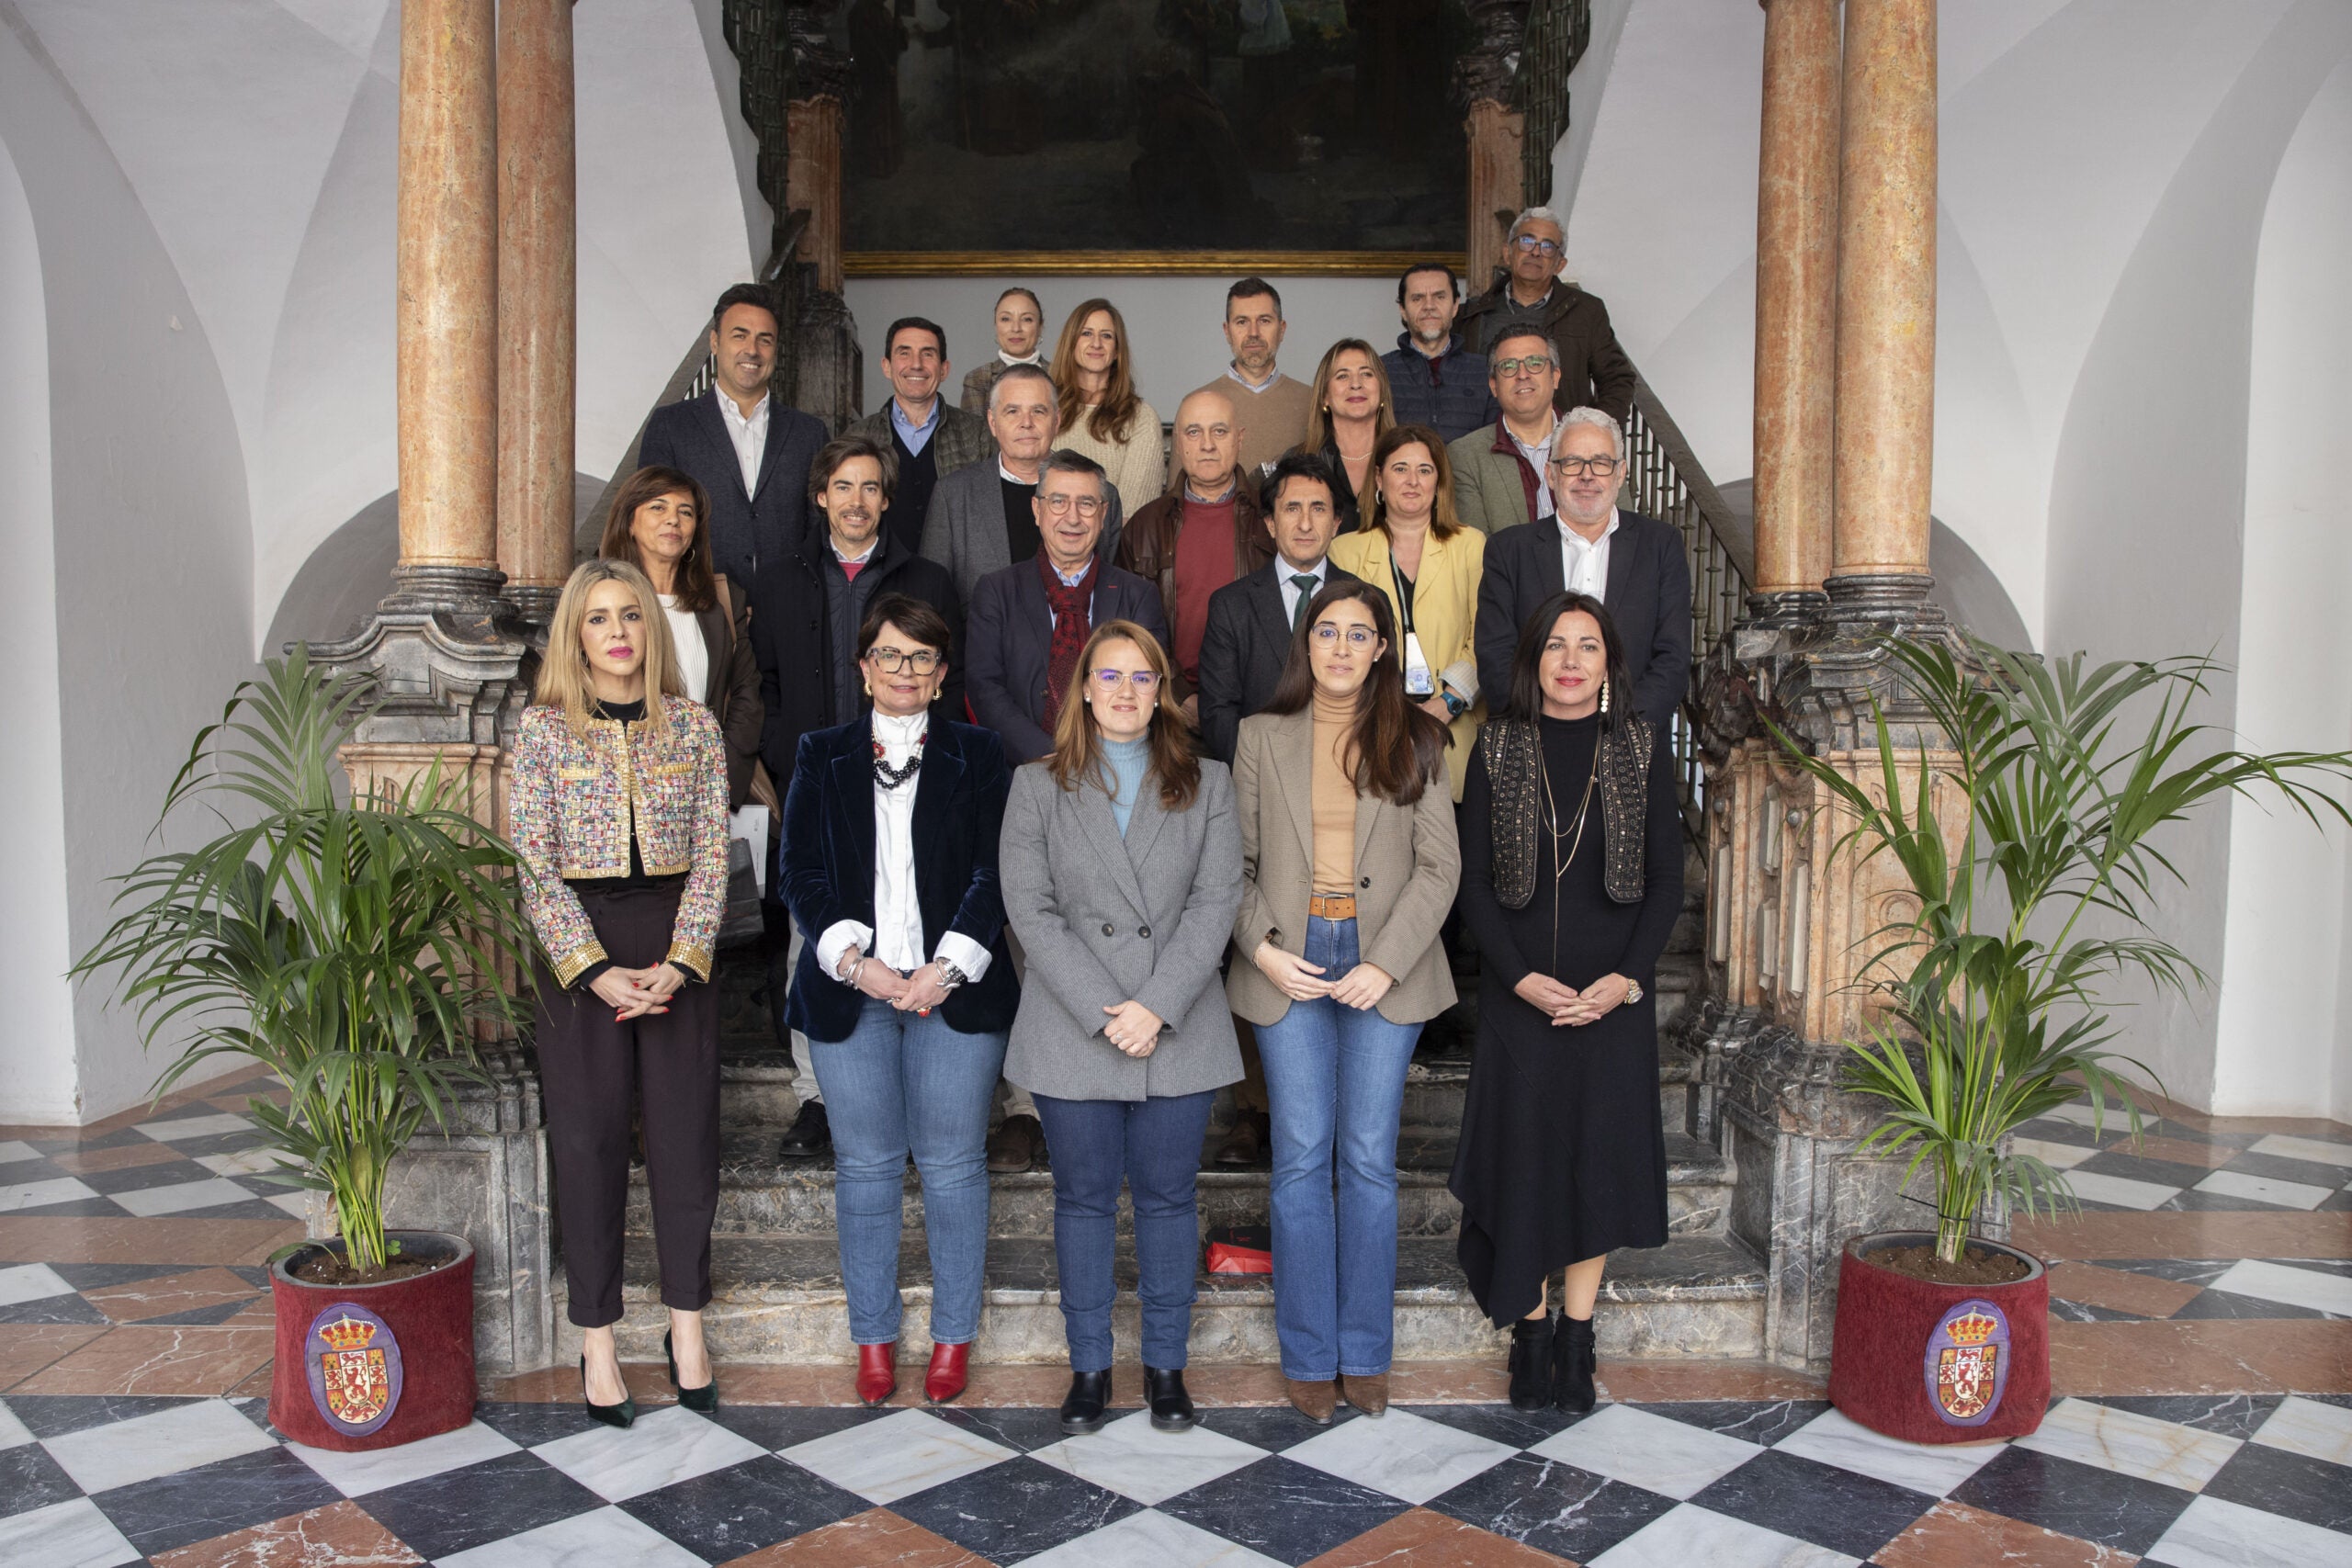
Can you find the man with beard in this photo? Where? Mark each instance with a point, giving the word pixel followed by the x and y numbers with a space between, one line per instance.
pixel 1433 380
pixel 1271 408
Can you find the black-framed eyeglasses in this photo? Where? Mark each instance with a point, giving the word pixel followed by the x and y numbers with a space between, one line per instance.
pixel 1577 467
pixel 1541 247
pixel 891 661
pixel 1534 364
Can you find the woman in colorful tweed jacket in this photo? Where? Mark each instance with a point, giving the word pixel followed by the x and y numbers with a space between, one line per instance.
pixel 617 810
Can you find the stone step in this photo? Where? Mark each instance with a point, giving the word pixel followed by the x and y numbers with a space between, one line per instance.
pixel 780 1299
pixel 761 1197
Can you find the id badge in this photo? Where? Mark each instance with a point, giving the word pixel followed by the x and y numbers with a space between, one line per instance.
pixel 1418 681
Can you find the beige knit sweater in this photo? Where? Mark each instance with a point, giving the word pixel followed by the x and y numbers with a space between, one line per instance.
pixel 1137 466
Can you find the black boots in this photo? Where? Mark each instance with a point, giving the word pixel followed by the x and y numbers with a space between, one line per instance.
pixel 1090 1393
pixel 810 1136
pixel 1531 1341
pixel 1573 1363
pixel 1172 1408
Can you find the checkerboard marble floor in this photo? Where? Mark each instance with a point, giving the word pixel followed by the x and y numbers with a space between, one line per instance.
pixel 2201 1347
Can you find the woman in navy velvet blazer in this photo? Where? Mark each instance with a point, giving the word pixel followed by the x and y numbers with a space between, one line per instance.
pixel 904 988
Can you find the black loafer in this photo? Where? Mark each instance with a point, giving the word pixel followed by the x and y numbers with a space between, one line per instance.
pixel 1090 1393
pixel 1172 1408
pixel 811 1136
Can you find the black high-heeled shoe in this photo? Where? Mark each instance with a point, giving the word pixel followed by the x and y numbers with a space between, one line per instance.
pixel 703 1400
pixel 623 1415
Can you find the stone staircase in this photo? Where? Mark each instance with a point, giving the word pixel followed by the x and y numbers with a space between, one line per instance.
pixel 775 1270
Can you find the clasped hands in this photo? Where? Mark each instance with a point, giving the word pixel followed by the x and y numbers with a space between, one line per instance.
pixel 919 992
pixel 1568 1006
pixel 633 993
pixel 1360 987
pixel 1133 1028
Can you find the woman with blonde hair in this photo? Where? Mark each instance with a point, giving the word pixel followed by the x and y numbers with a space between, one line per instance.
pixel 1415 548
pixel 1122 868
pixel 1100 414
pixel 618 812
pixel 1348 409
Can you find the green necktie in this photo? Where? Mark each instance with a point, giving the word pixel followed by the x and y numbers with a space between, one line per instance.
pixel 1305 583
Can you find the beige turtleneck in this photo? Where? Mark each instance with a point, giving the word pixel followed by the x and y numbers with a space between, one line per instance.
pixel 1333 795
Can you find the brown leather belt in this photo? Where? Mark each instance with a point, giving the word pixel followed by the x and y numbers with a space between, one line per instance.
pixel 1332 906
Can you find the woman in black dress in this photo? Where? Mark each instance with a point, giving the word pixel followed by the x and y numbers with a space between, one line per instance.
pixel 1571 882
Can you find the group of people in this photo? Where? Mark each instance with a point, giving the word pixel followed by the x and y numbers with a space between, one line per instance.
pixel 1100 790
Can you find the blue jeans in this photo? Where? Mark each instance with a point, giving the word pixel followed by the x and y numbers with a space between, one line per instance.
pixel 1335 1081
pixel 1156 1143
pixel 903 1084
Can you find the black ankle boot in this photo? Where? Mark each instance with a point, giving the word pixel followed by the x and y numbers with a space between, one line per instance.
pixel 1573 1363
pixel 1163 1392
pixel 1089 1394
pixel 1530 1364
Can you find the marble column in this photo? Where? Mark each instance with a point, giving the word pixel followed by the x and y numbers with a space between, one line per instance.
pixel 447 312
pixel 537 302
pixel 1796 300
pixel 812 180
pixel 1498 185
pixel 1886 300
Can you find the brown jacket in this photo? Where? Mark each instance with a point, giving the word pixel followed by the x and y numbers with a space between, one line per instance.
pixel 1407 865
pixel 1147 546
pixel 732 694
pixel 1594 371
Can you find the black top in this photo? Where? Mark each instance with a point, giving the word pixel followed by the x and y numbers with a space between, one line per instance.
pixel 918 477
pixel 1022 536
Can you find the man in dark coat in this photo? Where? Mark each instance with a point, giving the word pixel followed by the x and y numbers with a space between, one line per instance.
pixel 1594 371
pixel 1433 380
pixel 750 453
pixel 1633 565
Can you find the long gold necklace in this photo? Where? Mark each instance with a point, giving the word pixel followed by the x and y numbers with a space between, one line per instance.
pixel 1572 831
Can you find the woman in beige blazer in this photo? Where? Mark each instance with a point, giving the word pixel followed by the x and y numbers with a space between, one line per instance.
pixel 1414 547
pixel 1349 864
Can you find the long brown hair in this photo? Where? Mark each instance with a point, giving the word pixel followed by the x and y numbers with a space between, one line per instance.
pixel 1114 417
pixel 563 669
pixel 692 583
pixel 1399 749
pixel 1444 522
pixel 1077 756
pixel 1318 419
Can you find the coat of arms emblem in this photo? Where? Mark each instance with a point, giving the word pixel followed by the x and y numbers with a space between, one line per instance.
pixel 1968 1363
pixel 355 1367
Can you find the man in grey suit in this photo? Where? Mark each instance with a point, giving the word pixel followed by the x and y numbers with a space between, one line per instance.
pixel 982 517
pixel 750 453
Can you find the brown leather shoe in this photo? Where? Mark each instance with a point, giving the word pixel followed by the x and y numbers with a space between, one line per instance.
pixel 1316 1401
pixel 1368 1395
pixel 1017 1144
pixel 1246 1145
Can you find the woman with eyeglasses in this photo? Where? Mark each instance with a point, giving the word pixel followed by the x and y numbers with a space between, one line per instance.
pixel 1349 864
pixel 1122 866
pixel 904 990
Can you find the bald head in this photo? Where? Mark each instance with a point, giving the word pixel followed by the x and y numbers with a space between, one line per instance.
pixel 1208 441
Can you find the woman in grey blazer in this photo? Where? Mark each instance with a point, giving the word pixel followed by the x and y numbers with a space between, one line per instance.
pixel 1121 866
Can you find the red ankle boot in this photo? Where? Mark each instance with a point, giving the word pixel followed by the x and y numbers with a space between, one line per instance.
pixel 948 1372
pixel 877 1373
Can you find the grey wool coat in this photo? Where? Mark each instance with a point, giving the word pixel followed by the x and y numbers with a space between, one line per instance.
pixel 1105 919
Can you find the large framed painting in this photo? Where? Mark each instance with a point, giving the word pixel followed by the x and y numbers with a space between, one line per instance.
pixel 1151 135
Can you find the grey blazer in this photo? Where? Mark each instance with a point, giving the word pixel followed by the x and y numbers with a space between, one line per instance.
pixel 964 530
pixel 1105 919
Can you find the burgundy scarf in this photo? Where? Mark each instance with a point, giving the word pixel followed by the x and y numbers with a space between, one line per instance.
pixel 1071 627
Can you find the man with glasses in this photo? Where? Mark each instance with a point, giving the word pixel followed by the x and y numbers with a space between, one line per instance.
pixel 1502 471
pixel 807 606
pixel 984 518
pixel 1531 293
pixel 1633 565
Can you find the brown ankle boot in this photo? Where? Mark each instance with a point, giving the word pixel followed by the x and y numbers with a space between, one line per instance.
pixel 1316 1401
pixel 1369 1395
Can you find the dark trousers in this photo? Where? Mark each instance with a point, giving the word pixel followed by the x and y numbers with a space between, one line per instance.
pixel 589 1070
pixel 1155 1144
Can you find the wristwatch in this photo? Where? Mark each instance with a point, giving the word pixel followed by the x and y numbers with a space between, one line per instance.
pixel 1454 702
pixel 1633 991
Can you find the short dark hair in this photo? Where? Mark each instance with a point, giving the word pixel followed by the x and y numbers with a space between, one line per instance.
pixel 1064 461
pixel 914 323
pixel 910 615
pixel 758 294
pixel 1452 280
pixel 1299 466
pixel 1011 373
pixel 840 449
pixel 1495 346
pixel 1250 288
pixel 1026 293
pixel 1525 698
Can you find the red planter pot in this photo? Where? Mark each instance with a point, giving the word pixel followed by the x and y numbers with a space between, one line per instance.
pixel 372 1366
pixel 1933 1363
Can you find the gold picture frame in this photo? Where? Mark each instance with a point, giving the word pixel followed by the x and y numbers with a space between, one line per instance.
pixel 1141 263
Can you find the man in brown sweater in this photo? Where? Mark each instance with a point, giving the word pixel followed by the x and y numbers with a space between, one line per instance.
pixel 1270 408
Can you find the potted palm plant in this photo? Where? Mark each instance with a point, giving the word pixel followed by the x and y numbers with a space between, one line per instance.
pixel 1997 993
pixel 352 945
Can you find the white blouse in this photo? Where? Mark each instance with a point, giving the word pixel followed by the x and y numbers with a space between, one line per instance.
pixel 895 936
pixel 685 635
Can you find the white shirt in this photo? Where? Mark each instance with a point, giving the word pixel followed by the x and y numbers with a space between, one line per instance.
pixel 1008 361
pixel 1272 376
pixel 1285 571
pixel 896 935
pixel 1585 567
pixel 750 435
pixel 1539 455
pixel 685 635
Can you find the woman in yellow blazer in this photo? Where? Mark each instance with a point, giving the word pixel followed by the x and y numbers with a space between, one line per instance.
pixel 1412 547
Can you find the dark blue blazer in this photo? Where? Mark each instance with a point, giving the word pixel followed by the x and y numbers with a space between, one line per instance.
pixel 1648 597
pixel 1009 641
pixel 746 531
pixel 828 866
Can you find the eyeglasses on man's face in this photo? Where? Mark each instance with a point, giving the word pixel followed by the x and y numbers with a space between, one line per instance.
pixel 1577 467
pixel 1537 243
pixel 1534 364
pixel 891 661
pixel 1141 680
pixel 1060 505
pixel 1328 633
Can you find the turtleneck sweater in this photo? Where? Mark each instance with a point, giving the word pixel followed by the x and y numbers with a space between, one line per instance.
pixel 1333 793
pixel 1126 762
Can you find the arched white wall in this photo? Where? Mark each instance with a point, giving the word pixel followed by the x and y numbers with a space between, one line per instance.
pixel 2282 1043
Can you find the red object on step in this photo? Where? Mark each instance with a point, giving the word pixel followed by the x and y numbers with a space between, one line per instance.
pixel 948 1372
pixel 877 1373
pixel 1930 1363
pixel 1241 1249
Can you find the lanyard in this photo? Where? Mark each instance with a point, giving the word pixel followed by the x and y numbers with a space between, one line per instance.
pixel 1403 590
